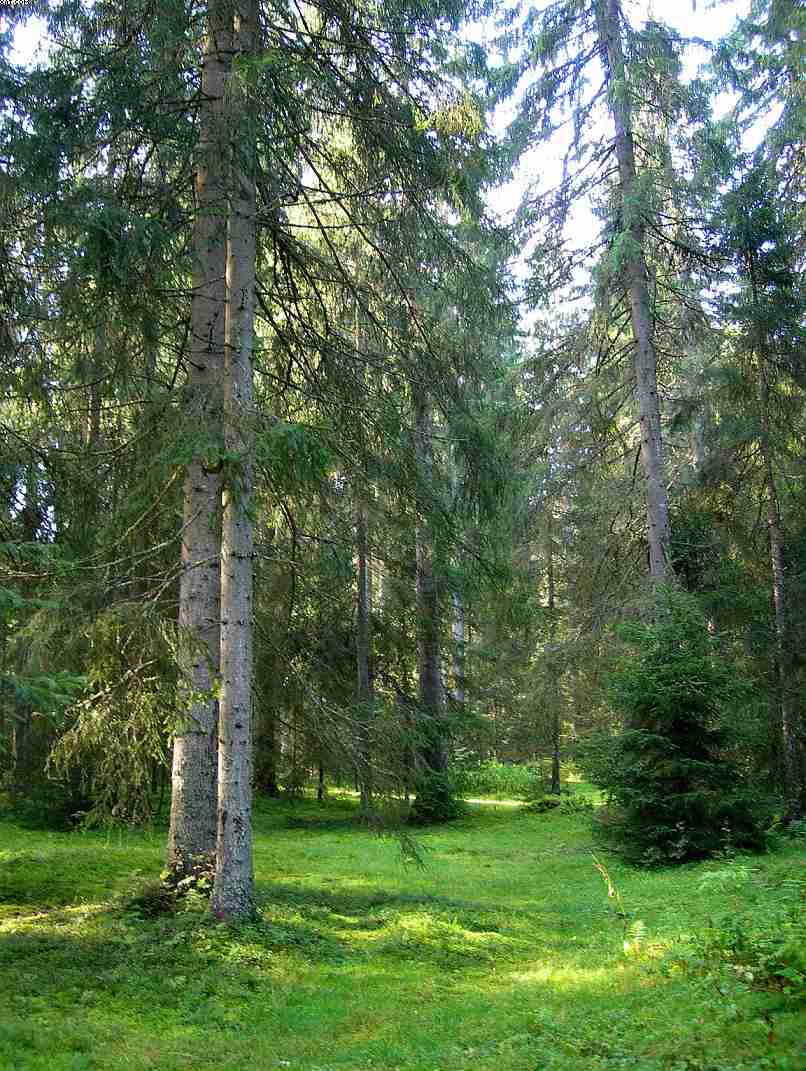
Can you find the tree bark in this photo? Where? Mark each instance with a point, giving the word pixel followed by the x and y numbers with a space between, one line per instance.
pixel 434 798
pixel 363 651
pixel 457 603
pixel 192 834
pixel 787 701
pixel 635 274
pixel 554 693
pixel 233 889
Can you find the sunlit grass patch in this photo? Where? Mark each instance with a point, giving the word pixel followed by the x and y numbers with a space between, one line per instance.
pixel 505 953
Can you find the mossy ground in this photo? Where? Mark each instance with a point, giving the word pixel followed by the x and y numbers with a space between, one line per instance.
pixel 505 953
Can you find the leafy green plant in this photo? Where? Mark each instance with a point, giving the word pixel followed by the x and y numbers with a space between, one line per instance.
pixel 677 794
pixel 544 804
pixel 763 945
pixel 497 780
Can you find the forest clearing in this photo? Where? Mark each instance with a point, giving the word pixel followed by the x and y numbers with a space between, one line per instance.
pixel 504 953
pixel 402 416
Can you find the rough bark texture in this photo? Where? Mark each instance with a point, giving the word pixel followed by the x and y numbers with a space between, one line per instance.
pixel 192 835
pixel 233 893
pixel 634 271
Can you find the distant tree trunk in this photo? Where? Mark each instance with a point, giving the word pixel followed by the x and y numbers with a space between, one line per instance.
pixel 457 602
pixel 233 893
pixel 787 700
pixel 23 744
pixel 363 650
pixel 434 798
pixel 192 834
pixel 553 692
pixel 636 277
pixel 266 753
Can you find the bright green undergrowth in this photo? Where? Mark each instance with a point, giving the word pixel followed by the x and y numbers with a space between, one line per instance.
pixel 504 953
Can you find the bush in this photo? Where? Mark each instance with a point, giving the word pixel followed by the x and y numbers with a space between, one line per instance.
pixel 435 801
pixel 764 945
pixel 677 794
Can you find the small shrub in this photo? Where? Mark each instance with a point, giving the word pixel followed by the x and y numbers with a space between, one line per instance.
pixel 676 793
pixel 153 900
pixel 763 946
pixel 576 805
pixel 435 801
pixel 545 804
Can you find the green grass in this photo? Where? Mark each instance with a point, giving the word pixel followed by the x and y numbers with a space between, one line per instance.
pixel 505 954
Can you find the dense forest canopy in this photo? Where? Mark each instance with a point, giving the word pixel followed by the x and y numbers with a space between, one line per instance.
pixel 317 467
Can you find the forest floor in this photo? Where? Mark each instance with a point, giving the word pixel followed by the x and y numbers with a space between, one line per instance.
pixel 504 953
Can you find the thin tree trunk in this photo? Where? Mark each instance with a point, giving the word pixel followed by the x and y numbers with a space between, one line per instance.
pixel 457 602
pixel 434 798
pixel 23 744
pixel 192 834
pixel 786 700
pixel 233 890
pixel 636 276
pixel 363 651
pixel 266 751
pixel 554 693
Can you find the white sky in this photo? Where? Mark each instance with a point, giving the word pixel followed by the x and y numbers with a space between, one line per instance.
pixel 710 21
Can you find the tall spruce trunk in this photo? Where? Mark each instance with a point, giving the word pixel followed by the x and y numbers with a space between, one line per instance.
pixel 192 834
pixel 636 278
pixel 434 798
pixel 233 889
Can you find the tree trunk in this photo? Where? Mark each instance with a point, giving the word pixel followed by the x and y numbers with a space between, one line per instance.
pixel 363 650
pixel 266 752
pixel 192 835
pixel 787 701
pixel 554 693
pixel 636 277
pixel 434 798
pixel 233 893
pixel 457 602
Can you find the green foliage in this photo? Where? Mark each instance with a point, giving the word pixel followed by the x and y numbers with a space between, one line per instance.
pixel 562 804
pixel 678 796
pixel 47 694
pixel 153 900
pixel 116 743
pixel 763 943
pixel 596 756
pixel 499 780
pixel 294 455
pixel 435 800
pixel 544 805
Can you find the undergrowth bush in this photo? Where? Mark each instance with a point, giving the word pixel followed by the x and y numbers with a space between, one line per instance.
pixel 763 945
pixel 548 804
pixel 676 792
